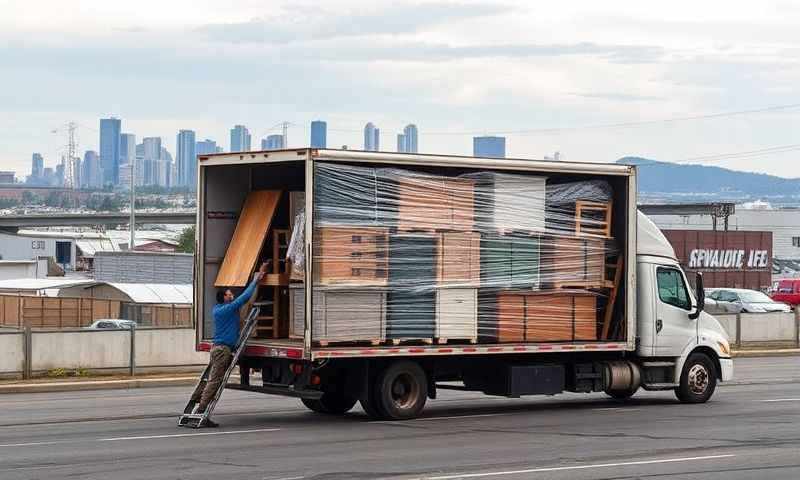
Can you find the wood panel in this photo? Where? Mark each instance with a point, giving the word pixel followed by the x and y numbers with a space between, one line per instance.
pixel 510 318
pixel 560 317
pixel 248 238
pixel 458 259
pixel 575 262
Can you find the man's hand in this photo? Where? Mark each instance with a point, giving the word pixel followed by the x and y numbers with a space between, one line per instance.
pixel 262 270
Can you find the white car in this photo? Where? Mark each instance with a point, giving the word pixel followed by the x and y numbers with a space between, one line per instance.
pixel 111 324
pixel 738 300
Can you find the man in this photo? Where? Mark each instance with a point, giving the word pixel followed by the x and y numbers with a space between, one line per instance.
pixel 226 335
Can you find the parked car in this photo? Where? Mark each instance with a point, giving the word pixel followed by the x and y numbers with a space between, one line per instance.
pixel 111 324
pixel 737 300
pixel 787 291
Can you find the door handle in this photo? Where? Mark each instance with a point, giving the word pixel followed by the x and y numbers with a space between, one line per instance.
pixel 659 325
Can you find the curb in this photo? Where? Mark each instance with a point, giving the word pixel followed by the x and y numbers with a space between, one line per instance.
pixel 783 352
pixel 97 385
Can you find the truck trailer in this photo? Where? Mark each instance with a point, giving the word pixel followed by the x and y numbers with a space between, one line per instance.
pixel 393 276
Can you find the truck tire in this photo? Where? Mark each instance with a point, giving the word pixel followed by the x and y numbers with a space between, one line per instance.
pixel 621 394
pixel 698 379
pixel 330 403
pixel 400 391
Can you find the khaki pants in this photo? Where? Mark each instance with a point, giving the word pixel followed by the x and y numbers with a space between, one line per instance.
pixel 219 360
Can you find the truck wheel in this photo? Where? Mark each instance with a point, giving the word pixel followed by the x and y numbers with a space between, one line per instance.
pixel 330 403
pixel 698 379
pixel 400 391
pixel 621 394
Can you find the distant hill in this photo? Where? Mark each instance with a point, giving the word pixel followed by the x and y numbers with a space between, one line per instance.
pixel 672 179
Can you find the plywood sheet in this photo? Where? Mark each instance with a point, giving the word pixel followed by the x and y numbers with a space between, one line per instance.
pixel 248 238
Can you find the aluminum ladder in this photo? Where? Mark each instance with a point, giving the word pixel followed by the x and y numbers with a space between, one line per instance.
pixel 196 420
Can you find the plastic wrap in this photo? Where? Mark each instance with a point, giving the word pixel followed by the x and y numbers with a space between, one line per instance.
pixel 295 252
pixel 402 255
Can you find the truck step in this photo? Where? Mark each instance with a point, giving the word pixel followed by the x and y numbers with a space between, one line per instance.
pixel 659 386
pixel 657 364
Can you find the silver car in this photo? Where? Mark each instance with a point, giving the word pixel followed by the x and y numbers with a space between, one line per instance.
pixel 738 300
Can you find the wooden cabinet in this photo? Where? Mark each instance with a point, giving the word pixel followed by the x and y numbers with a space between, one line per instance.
pixel 457 313
pixel 351 256
pixel 433 202
pixel 510 261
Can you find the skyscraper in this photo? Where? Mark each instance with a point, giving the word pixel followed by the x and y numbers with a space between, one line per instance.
pixel 240 139
pixel 492 147
pixel 186 167
pixel 109 149
pixel 151 149
pixel 319 134
pixel 401 143
pixel 91 170
pixel 206 146
pixel 37 166
pixel 127 148
pixel 372 138
pixel 272 142
pixel 410 134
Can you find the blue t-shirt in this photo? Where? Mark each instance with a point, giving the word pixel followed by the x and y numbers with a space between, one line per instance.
pixel 226 318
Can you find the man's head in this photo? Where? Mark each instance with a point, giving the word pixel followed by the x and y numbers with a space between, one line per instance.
pixel 224 295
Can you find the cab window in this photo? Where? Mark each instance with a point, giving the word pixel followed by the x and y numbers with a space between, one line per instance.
pixel 672 289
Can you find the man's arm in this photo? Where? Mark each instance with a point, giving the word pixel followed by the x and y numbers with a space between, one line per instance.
pixel 248 292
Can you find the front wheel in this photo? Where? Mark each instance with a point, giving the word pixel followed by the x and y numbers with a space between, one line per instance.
pixel 330 403
pixel 698 379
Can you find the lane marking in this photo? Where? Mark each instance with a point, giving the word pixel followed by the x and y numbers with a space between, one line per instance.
pixel 144 437
pixel 579 467
pixel 782 400
pixel 616 409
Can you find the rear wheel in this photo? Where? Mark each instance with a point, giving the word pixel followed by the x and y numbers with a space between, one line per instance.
pixel 698 379
pixel 330 403
pixel 400 391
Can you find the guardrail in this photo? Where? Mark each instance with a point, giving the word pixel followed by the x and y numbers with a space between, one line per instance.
pixel 31 352
pixel 752 328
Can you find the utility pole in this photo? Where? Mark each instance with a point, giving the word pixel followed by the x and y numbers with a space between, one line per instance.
pixel 132 243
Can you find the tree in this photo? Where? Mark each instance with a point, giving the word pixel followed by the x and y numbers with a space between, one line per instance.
pixel 186 240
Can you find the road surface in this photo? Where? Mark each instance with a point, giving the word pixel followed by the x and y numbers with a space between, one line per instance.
pixel 748 430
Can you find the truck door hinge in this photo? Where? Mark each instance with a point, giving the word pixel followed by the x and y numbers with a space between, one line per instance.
pixel 659 325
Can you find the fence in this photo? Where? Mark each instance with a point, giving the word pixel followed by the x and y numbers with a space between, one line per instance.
pixel 68 312
pixel 33 352
pixel 751 328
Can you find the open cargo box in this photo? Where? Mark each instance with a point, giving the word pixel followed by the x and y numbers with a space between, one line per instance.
pixel 226 179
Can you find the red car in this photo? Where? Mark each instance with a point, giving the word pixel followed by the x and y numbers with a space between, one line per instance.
pixel 788 291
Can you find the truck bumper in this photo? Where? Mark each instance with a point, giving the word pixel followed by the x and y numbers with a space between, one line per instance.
pixel 726 367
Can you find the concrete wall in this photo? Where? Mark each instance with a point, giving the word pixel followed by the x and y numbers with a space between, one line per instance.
pixel 12 355
pixel 143 267
pixel 761 327
pixel 99 349
pixel 11 269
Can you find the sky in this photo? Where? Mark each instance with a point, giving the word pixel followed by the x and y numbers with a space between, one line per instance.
pixel 595 81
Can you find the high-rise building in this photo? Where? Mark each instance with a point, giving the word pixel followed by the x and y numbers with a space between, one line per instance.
pixel 91 170
pixel 151 155
pixel 186 166
pixel 240 139
pixel 401 143
pixel 272 142
pixel 372 138
pixel 410 134
pixel 127 148
pixel 206 146
pixel 48 176
pixel 7 177
pixel 37 166
pixel 491 147
pixel 165 168
pixel 319 134
pixel 109 149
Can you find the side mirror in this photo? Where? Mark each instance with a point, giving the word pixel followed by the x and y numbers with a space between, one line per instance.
pixel 700 293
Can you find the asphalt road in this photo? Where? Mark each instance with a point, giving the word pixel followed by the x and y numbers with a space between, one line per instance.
pixel 750 429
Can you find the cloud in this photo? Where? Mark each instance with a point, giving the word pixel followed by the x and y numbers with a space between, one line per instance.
pixel 618 97
pixel 314 24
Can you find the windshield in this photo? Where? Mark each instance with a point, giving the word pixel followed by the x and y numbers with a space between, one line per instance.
pixel 754 297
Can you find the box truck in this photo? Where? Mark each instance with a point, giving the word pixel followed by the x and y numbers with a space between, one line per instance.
pixel 393 276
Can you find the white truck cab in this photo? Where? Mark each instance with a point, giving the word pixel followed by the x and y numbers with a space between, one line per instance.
pixel 672 325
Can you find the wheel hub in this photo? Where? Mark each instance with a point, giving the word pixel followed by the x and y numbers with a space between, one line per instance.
pixel 698 379
pixel 404 391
